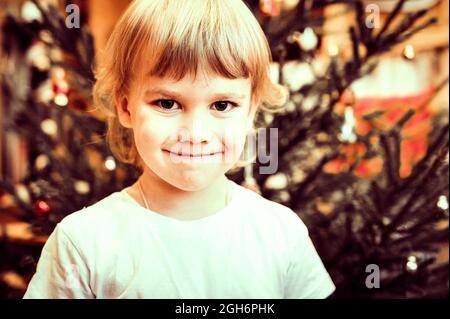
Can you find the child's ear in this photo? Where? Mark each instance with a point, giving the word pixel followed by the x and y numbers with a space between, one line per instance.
pixel 123 112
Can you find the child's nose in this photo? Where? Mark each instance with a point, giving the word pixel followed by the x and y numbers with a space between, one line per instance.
pixel 195 130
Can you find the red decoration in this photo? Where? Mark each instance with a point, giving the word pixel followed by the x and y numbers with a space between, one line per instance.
pixel 41 208
pixel 270 7
pixel 60 87
pixel 415 132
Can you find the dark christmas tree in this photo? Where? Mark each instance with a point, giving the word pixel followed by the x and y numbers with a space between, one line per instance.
pixel 391 222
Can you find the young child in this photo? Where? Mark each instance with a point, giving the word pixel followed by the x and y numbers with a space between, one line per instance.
pixel 181 82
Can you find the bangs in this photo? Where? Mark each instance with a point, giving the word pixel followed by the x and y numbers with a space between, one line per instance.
pixel 178 59
pixel 221 37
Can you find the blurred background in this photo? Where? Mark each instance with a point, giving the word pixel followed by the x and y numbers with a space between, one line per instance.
pixel 362 141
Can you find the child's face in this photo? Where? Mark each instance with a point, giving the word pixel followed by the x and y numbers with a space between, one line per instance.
pixel 195 117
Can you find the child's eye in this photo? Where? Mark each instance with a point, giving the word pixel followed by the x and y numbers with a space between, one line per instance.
pixel 224 106
pixel 166 105
pixel 221 106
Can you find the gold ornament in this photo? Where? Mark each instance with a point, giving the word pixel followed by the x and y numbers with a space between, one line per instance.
pixel 442 202
pixel 22 193
pixel 49 127
pixel 38 57
pixel 270 7
pixel 41 162
pixel 408 52
pixel 288 5
pixel 30 12
pixel 82 187
pixel 13 280
pixel 411 265
pixel 61 99
pixel 45 92
pixel 110 163
pixel 277 181
pixel 308 39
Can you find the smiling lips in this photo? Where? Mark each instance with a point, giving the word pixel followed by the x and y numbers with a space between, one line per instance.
pixel 193 155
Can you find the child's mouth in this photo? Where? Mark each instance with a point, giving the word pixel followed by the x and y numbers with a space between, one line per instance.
pixel 190 156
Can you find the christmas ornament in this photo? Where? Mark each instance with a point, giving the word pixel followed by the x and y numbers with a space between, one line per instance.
pixel 442 202
pixel 284 196
pixel 60 88
pixel 411 265
pixel 270 7
pixel 82 187
pixel 310 102
pixel 294 37
pixel 408 52
pixel 22 193
pixel 30 12
pixel 41 208
pixel 110 163
pixel 38 57
pixel 298 74
pixel 49 127
pixel 347 131
pixel 298 175
pixel 41 162
pixel 324 207
pixel 57 73
pixel 268 118
pixel 288 5
pixel 308 39
pixel 46 36
pixel 45 93
pixel 56 54
pixel 277 181
pixel 13 280
pixel 290 106
pixel 61 99
pixel 274 7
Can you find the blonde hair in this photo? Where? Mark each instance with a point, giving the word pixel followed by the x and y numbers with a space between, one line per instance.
pixel 179 37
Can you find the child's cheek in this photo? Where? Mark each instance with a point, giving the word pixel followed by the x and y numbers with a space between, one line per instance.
pixel 234 138
pixel 150 135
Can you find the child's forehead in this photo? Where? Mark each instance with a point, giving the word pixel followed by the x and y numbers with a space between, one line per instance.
pixel 203 80
pixel 189 79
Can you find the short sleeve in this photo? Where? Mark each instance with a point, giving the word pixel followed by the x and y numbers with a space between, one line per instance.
pixel 306 276
pixel 61 272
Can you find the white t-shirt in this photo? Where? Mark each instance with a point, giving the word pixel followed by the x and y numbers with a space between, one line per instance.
pixel 253 248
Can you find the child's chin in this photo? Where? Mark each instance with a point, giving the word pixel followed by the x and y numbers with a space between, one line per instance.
pixel 192 182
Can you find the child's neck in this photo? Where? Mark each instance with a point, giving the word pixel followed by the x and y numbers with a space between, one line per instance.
pixel 165 199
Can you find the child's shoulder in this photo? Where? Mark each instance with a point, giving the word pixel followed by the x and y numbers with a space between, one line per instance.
pixel 262 208
pixel 107 213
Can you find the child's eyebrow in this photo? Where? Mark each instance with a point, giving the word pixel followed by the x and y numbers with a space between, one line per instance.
pixel 176 95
